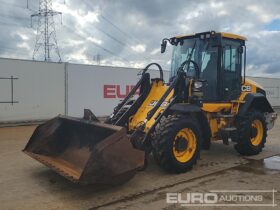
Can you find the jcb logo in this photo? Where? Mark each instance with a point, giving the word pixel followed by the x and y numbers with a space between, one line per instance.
pixel 246 88
pixel 164 104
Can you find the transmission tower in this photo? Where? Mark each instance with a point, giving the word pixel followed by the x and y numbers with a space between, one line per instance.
pixel 97 58
pixel 46 47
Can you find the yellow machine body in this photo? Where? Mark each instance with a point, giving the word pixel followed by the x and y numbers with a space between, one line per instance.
pixel 232 106
pixel 157 90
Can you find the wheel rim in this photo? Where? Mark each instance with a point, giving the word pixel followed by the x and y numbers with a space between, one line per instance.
pixel 185 139
pixel 257 137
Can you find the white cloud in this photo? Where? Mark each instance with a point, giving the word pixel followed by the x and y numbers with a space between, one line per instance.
pixel 260 13
pixel 95 40
pixel 24 45
pixel 23 36
pixel 73 42
pixel 139 48
pixel 215 4
pixel 80 15
pixel 79 55
pixel 139 65
pixel 222 13
pixel 155 51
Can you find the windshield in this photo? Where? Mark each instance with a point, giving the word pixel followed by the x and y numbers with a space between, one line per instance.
pixel 204 55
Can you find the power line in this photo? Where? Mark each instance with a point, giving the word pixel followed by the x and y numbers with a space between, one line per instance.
pixel 123 32
pixel 16 5
pixel 103 48
pixel 110 22
pixel 13 17
pixel 14 24
pixel 52 13
pixel 28 7
pixel 110 36
pixel 118 28
pixel 12 5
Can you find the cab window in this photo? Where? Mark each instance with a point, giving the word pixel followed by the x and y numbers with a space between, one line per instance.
pixel 231 59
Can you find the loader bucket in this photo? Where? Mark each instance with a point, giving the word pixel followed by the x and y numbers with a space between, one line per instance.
pixel 85 152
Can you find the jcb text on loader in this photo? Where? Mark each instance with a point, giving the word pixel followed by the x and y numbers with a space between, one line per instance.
pixel 206 99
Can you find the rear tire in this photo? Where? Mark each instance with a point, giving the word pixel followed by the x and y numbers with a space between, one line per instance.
pixel 176 143
pixel 252 133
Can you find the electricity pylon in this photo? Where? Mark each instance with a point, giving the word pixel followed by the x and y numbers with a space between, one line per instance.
pixel 46 47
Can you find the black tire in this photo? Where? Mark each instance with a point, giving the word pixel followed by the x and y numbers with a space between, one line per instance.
pixel 206 144
pixel 246 131
pixel 164 140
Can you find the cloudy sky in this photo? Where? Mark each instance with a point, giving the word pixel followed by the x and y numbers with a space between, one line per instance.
pixel 129 32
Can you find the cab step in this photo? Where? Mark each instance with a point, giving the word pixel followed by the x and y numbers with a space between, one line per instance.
pixel 225 115
pixel 229 129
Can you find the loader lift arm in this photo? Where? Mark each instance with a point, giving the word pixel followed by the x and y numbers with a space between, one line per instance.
pixel 139 138
pixel 118 118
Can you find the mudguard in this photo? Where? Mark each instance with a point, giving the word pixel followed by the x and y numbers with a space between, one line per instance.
pixel 195 109
pixel 257 101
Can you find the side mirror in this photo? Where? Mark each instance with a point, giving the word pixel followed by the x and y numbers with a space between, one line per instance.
pixel 163 46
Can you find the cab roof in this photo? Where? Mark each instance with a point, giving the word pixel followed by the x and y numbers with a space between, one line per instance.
pixel 223 34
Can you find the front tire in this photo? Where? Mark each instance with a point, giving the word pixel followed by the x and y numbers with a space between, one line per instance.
pixel 252 134
pixel 176 143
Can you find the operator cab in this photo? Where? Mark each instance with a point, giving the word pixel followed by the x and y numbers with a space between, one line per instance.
pixel 219 59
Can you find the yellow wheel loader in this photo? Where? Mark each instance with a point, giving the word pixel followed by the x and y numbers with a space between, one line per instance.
pixel 207 98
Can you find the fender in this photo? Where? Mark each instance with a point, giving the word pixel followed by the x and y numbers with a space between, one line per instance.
pixel 201 118
pixel 257 101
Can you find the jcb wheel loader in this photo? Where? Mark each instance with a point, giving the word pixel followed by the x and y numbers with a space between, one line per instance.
pixel 206 99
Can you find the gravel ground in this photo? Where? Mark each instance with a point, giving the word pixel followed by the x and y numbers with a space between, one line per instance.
pixel 27 184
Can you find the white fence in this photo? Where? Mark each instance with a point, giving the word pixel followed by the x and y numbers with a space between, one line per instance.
pixel 39 90
pixel 98 88
pixel 271 86
pixel 44 90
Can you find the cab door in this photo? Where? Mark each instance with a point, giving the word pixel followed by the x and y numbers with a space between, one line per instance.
pixel 231 69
